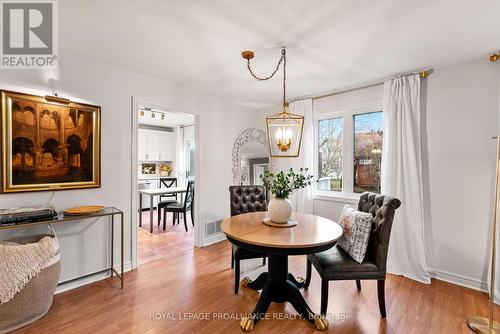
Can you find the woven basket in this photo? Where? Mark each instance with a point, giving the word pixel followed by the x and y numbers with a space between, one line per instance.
pixel 34 300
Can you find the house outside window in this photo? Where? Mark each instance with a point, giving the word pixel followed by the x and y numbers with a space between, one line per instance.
pixel 349 150
pixel 368 136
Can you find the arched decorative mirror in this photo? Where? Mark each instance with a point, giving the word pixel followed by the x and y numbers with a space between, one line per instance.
pixel 251 157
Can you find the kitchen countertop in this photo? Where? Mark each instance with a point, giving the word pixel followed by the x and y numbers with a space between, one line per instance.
pixel 148 177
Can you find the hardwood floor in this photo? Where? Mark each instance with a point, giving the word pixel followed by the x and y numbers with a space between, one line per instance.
pixel 153 246
pixel 158 296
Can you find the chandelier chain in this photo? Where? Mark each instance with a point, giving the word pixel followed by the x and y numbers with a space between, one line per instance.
pixel 272 74
pixel 283 56
pixel 282 60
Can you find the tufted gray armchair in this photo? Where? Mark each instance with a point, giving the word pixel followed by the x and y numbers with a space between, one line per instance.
pixel 245 199
pixel 335 264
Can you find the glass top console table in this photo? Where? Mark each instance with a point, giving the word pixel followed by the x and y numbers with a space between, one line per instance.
pixel 110 212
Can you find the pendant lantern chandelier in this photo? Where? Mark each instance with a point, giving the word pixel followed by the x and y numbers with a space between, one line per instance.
pixel 284 130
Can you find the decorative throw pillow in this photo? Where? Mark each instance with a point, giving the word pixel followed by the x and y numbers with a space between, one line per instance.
pixel 357 227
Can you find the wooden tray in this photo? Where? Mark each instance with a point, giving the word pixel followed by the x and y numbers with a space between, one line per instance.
pixel 267 221
pixel 84 210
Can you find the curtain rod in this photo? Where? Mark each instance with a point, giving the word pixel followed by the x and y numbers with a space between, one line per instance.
pixel 423 74
pixel 378 83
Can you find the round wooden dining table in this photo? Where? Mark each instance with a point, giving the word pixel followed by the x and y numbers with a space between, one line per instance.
pixel 312 234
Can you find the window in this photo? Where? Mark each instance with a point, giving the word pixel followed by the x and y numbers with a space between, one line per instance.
pixel 368 133
pixel 330 140
pixel 189 161
pixel 349 151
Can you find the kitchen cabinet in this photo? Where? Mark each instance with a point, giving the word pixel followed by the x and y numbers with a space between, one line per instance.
pixel 166 142
pixel 155 145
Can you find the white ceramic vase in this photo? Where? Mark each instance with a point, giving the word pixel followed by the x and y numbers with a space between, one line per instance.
pixel 280 210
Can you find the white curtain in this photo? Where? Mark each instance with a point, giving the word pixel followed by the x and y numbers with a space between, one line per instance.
pixel 402 176
pixel 302 199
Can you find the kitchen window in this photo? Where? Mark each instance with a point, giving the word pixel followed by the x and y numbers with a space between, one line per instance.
pixel 349 151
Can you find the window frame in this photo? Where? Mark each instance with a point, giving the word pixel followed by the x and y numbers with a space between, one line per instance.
pixel 347 113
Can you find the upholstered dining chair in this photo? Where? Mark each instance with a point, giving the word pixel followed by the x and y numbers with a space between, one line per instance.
pixel 165 200
pixel 335 264
pixel 245 199
pixel 181 207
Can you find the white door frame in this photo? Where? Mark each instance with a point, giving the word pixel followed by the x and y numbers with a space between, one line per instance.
pixel 198 232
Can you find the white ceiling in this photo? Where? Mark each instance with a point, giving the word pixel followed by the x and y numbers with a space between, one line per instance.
pixel 330 44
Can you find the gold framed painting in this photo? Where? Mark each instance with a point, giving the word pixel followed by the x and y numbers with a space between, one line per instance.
pixel 48 143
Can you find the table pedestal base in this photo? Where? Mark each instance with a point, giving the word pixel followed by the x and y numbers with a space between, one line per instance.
pixel 279 286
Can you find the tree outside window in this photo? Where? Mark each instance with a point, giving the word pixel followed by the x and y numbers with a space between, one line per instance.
pixel 368 136
pixel 330 146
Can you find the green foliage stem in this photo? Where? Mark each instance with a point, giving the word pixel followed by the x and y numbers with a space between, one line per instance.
pixel 283 184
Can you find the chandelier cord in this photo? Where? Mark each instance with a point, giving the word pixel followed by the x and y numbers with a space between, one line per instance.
pixel 282 60
pixel 283 56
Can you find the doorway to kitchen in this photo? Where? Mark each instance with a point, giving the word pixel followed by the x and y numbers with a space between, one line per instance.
pixel 165 161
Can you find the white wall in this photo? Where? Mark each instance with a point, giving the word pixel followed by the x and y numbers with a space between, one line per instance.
pixel 460 116
pixel 84 245
pixel 462 106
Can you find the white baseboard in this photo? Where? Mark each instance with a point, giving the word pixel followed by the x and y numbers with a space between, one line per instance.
pixel 461 280
pixel 62 287
pixel 214 239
